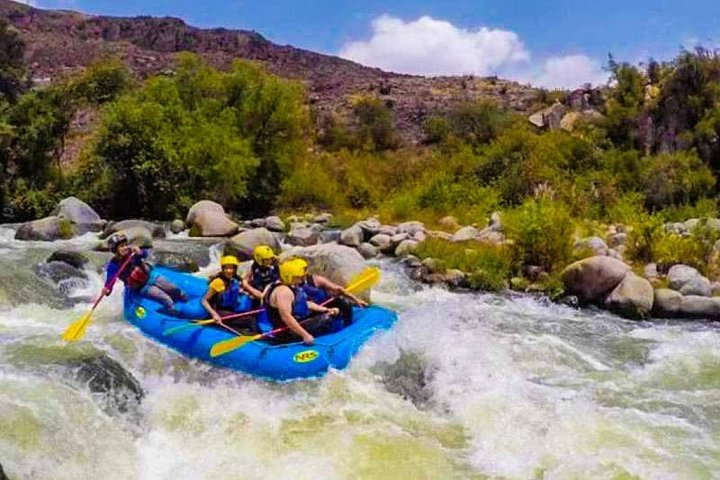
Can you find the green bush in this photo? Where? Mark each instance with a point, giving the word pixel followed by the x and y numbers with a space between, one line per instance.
pixel 310 185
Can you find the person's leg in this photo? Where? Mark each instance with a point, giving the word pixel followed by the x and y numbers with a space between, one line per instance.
pixel 169 288
pixel 155 293
pixel 345 307
pixel 316 325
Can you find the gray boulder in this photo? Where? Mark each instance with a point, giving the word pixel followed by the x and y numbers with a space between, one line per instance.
pixel 420 237
pixel 693 306
pixel 632 298
pixel 592 278
pixel 323 218
pixel 352 236
pixel 667 303
pixel 465 233
pixel 367 250
pixel 688 281
pixel 677 228
pixel 256 223
pixel 274 224
pixel 596 244
pixel 46 229
pixel 244 243
pixel 369 227
pixel 405 247
pixel 208 219
pixel 697 286
pixel 490 236
pixel 380 240
pixel 156 230
pixel 73 258
pixel 80 214
pixel 330 236
pixel 411 228
pixel 176 260
pixel 302 236
pixel 177 226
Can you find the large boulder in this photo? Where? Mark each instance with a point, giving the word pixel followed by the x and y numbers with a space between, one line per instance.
pixel 323 218
pixel 302 236
pixel 80 214
pixel 156 230
pixel 380 240
pixel 177 226
pixel 137 235
pixel 694 306
pixel 667 303
pixel 208 219
pixel 596 244
pixel 465 233
pixel 632 298
pixel 337 262
pixel 688 281
pixel 592 278
pixel 244 243
pixel 46 229
pixel 406 247
pixel 178 261
pixel 73 258
pixel 353 236
pixel 367 250
pixel 330 236
pixel 370 227
pixel 411 228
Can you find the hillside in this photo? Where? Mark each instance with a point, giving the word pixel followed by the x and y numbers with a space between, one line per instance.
pixel 62 42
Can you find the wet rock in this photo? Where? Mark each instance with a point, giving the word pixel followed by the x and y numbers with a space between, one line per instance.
pixel 80 214
pixel 175 260
pixel 454 278
pixel 367 250
pixel 138 235
pixel 571 301
pixel 596 244
pixel 323 218
pixel 592 278
pixel 330 236
pixel 46 229
pixel 73 258
pixel 693 306
pixel 632 298
pixel 274 224
pixel 244 243
pixel 156 230
pixel 405 248
pixel 352 237
pixel 431 265
pixel 57 272
pixel 411 228
pixel 697 286
pixel 303 237
pixel 105 376
pixel 177 226
pixel 464 234
pixel 666 303
pixel 369 227
pixel 208 219
pixel 409 377
pixel 411 261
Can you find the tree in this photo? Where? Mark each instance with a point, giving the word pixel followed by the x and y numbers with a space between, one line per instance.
pixel 13 73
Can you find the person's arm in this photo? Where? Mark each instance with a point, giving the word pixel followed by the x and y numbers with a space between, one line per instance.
pixel 110 272
pixel 254 292
pixel 336 290
pixel 212 290
pixel 314 307
pixel 284 300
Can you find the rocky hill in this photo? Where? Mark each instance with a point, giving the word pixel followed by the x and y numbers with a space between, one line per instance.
pixel 62 42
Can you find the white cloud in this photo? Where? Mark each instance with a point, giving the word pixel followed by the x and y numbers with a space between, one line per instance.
pixel 32 3
pixel 569 71
pixel 428 46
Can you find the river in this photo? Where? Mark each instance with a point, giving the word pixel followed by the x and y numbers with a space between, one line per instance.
pixel 466 386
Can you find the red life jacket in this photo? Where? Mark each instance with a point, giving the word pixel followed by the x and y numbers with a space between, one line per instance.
pixel 138 277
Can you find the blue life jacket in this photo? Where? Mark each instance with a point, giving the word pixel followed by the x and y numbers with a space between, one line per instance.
pixel 228 298
pixel 300 308
pixel 315 294
pixel 263 276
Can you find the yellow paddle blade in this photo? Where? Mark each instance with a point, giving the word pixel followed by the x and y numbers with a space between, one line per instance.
pixel 364 280
pixel 226 346
pixel 190 324
pixel 76 330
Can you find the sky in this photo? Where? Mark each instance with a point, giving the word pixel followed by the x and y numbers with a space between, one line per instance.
pixel 554 44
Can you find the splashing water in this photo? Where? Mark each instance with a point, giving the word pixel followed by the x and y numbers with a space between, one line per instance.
pixel 510 387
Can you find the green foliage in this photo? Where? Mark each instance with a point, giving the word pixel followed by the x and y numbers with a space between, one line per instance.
pixel 101 83
pixel 308 186
pixel 488 266
pixel 478 123
pixel 541 231
pixel 66 228
pixel 671 179
pixel 436 129
pixel 375 125
pixel 13 72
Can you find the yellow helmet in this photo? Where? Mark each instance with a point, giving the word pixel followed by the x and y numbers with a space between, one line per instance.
pixel 263 252
pixel 290 269
pixel 303 262
pixel 229 260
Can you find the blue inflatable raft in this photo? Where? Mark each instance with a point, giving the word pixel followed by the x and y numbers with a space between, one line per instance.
pixel 260 358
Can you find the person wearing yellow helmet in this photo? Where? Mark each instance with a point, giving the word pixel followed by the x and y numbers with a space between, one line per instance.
pixel 263 271
pixel 287 305
pixel 319 289
pixel 224 293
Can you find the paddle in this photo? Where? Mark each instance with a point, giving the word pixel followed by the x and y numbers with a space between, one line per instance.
pixel 76 330
pixel 199 323
pixel 361 282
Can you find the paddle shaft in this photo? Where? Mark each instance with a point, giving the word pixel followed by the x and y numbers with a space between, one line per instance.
pixel 113 280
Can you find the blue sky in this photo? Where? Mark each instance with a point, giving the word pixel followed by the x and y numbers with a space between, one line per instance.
pixel 537 41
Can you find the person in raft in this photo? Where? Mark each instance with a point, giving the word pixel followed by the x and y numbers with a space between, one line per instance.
pixel 320 289
pixel 287 305
pixel 224 295
pixel 263 272
pixel 138 275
